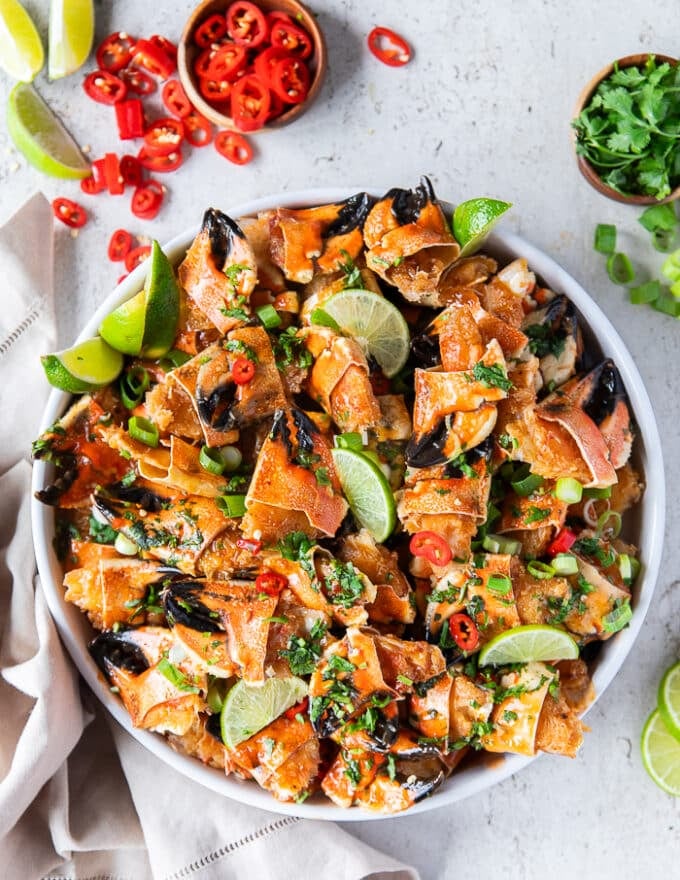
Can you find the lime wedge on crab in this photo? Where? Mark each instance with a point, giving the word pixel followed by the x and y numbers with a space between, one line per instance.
pixel 474 219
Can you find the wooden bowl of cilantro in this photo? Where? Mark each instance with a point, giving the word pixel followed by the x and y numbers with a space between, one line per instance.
pixel 627 129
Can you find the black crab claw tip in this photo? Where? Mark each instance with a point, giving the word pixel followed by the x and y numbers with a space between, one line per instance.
pixel 182 605
pixel 352 215
pixel 221 230
pixel 117 650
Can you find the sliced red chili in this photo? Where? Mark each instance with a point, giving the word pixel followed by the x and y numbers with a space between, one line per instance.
pixel 215 92
pixel 247 24
pixel 276 106
pixel 136 256
pixel 290 80
pixel 115 52
pixel 203 61
pixel 122 278
pixel 234 147
pixel 163 136
pixel 92 185
pixel 146 202
pixel 198 130
pixel 562 542
pixel 131 171
pixel 227 61
pixel 130 118
pixel 380 384
pixel 110 170
pixel 242 370
pixel 160 164
pixel 166 46
pixel 250 103
pixel 251 546
pixel 270 582
pixel 266 60
pixel 389 47
pixel 463 630
pixel 298 709
pixel 432 547
pixel 104 87
pixel 137 81
pixel 175 98
pixel 212 29
pixel 120 245
pixel 71 213
pixel 292 38
pixel 276 15
pixel 154 59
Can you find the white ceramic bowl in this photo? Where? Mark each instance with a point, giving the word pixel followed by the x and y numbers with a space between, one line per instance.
pixel 645 527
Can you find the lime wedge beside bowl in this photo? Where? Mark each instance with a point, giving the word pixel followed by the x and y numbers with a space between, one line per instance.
pixel 669 699
pixel 21 50
pixel 524 644
pixel 247 708
pixel 85 367
pixel 367 491
pixel 661 754
pixel 377 325
pixel 39 134
pixel 71 36
pixel 474 219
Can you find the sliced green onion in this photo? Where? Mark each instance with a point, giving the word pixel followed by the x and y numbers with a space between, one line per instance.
pixel 143 430
pixel 618 618
pixel 321 318
pixel 569 490
pixel 663 240
pixel 527 485
pixel 500 584
pixel 125 546
pixel 605 238
pixel 609 522
pixel 540 570
pixel 351 440
pixel 269 316
pixel 658 217
pixel 667 304
pixel 671 266
pixel 648 292
pixel 501 544
pixel 629 568
pixel 133 385
pixel 173 359
pixel 215 695
pixel 593 492
pixel 565 563
pixel 620 268
pixel 232 458
pixel 210 459
pixel 232 505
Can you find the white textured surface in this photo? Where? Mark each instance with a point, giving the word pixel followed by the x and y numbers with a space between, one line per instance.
pixel 484 110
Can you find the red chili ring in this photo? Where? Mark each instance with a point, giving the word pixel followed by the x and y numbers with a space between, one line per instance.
pixel 69 212
pixel 389 47
pixel 234 147
pixel 120 245
pixel 242 370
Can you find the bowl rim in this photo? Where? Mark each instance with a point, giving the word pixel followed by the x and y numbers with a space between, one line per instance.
pixel 223 120
pixel 586 168
pixel 72 623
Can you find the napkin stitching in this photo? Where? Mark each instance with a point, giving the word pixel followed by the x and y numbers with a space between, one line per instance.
pixel 232 847
pixel 15 335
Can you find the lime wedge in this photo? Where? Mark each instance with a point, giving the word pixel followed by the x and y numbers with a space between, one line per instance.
pixel 123 328
pixel 71 35
pixel 21 51
pixel 249 708
pixel 162 305
pixel 669 699
pixel 474 219
pixel 146 324
pixel 41 137
pixel 377 325
pixel 524 644
pixel 661 754
pixel 367 491
pixel 86 366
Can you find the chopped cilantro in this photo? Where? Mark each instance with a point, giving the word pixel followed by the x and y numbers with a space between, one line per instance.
pixel 351 272
pixel 493 376
pixel 101 533
pixel 236 346
pixel 303 654
pixel 543 340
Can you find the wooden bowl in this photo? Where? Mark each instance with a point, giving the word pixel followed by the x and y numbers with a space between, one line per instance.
pixel 187 52
pixel 585 167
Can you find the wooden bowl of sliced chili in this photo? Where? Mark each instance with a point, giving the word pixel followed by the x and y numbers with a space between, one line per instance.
pixel 250 67
pixel 589 168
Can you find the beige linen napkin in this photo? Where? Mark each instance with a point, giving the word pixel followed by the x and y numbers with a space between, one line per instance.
pixel 66 812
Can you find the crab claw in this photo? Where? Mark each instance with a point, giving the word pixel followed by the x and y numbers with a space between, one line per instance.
pixel 555 338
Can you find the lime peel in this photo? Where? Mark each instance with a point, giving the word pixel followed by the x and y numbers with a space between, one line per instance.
pixel 524 644
pixel 668 700
pixel 661 754
pixel 367 491
pixel 474 219
pixel 250 708
pixel 89 365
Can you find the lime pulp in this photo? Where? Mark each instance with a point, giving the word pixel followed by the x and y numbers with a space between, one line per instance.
pixel 661 754
pixel 71 35
pixel 524 644
pixel 21 51
pixel 247 708
pixel 88 365
pixel 474 219
pixel 367 491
